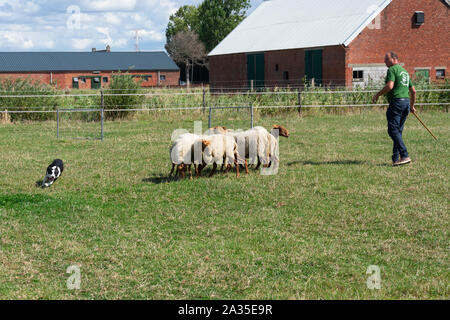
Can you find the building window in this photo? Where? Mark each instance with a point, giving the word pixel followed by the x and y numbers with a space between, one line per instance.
pixel 162 77
pixel 75 83
pixel 105 79
pixel 358 75
pixel 276 67
pixel 285 75
pixel 440 73
pixel 83 80
pixel 422 75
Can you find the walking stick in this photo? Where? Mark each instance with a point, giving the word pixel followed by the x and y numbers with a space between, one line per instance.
pixel 424 125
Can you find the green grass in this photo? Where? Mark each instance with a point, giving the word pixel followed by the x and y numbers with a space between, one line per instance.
pixel 336 207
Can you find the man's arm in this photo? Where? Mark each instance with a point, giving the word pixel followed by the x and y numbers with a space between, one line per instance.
pixel 388 87
pixel 412 94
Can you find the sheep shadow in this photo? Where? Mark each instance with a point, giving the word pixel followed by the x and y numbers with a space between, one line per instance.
pixel 166 179
pixel 320 163
pixel 159 179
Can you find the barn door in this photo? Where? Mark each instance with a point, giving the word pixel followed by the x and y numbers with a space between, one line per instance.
pixel 255 69
pixel 313 66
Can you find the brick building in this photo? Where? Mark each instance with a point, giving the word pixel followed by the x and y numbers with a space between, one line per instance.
pixel 333 42
pixel 89 70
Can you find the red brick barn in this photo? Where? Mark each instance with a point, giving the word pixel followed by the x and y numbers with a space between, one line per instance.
pixel 89 70
pixel 333 42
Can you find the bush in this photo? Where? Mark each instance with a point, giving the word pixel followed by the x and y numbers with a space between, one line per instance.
pixel 24 88
pixel 122 83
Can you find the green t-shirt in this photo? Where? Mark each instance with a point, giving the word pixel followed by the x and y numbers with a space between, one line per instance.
pixel 402 82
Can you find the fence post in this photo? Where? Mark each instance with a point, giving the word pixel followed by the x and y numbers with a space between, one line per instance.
pixel 251 85
pixel 209 118
pixel 251 115
pixel 102 116
pixel 299 97
pixel 57 123
pixel 101 98
pixel 204 105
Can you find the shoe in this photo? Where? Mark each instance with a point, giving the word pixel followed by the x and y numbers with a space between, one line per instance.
pixel 402 161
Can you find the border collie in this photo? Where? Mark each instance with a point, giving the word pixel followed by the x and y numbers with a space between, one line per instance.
pixel 54 171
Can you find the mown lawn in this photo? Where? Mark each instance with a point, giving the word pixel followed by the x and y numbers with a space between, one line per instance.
pixel 335 207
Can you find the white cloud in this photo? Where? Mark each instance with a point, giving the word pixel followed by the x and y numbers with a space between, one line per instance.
pixel 16 40
pixel 113 18
pixel 82 44
pixel 151 35
pixel 108 5
pixel 30 7
pixel 43 24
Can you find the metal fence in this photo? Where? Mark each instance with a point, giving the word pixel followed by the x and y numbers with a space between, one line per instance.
pixel 201 99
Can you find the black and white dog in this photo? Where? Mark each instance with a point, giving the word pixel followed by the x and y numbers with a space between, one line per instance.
pixel 54 171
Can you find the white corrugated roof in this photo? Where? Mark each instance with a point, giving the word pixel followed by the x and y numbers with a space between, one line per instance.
pixel 293 24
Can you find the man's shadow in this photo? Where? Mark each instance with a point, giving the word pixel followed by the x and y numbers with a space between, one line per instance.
pixel 320 163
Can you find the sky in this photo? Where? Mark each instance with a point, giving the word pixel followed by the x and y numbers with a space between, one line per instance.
pixel 61 25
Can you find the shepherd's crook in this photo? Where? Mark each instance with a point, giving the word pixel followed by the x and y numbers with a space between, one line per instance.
pixel 424 125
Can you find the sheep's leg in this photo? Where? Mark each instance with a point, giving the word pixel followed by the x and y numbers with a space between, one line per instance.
pixel 181 169
pixel 246 166
pixel 200 168
pixel 189 167
pixel 213 169
pixel 171 171
pixel 259 163
pixel 237 167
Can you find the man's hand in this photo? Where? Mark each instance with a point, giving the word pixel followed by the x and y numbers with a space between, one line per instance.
pixel 412 94
pixel 375 98
pixel 388 87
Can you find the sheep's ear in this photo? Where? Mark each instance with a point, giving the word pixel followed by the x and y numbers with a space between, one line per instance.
pixel 205 143
pixel 224 128
pixel 276 126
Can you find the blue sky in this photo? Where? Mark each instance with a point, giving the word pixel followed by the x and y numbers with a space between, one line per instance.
pixel 60 25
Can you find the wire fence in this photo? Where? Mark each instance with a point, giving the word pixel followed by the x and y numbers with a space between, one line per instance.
pixel 201 98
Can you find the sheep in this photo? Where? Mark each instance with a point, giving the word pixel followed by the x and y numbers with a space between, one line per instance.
pixel 182 153
pixel 219 148
pixel 256 144
pixel 282 131
pixel 268 144
pixel 217 130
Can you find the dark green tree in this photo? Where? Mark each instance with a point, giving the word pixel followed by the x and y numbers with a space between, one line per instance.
pixel 217 18
pixel 185 19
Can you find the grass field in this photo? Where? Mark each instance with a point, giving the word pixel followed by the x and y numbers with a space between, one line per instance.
pixel 335 207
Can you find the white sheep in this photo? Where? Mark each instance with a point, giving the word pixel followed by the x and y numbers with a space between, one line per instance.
pixel 219 148
pixel 185 150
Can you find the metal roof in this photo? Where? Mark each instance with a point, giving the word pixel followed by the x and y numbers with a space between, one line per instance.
pixel 293 24
pixel 85 61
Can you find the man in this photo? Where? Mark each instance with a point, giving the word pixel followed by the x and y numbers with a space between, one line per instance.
pixel 398 90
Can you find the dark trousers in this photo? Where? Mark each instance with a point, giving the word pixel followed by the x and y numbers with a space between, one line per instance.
pixel 396 116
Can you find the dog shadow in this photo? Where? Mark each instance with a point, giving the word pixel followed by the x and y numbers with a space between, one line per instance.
pixel 39 184
pixel 321 163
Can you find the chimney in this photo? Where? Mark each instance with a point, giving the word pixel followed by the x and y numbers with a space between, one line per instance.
pixel 93 49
